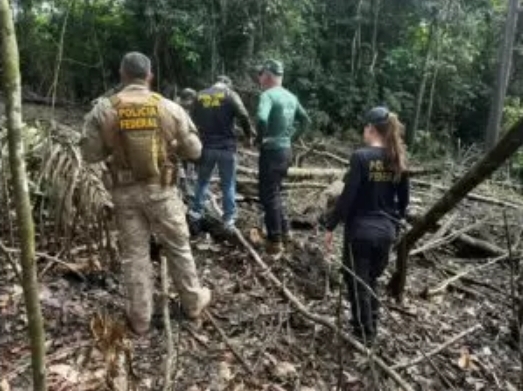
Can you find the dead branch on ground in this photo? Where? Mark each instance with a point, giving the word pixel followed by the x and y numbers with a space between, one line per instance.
pixel 507 145
pixel 442 287
pixel 168 375
pixel 227 342
pixel 438 349
pixel 266 273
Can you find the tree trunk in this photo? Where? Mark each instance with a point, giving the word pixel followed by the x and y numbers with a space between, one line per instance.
pixel 431 98
pixel 411 134
pixel 12 87
pixel 506 147
pixel 502 77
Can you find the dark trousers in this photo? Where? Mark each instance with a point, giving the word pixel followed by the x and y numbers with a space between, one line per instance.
pixel 367 259
pixel 273 167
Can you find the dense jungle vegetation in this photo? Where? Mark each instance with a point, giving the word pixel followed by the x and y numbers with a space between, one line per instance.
pixel 433 61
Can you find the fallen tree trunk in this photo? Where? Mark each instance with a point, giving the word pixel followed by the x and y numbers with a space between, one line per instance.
pixel 442 287
pixel 249 187
pixel 300 173
pixel 474 247
pixel 471 196
pixel 509 144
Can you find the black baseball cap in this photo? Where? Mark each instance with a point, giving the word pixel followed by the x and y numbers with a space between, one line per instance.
pixel 225 80
pixel 187 96
pixel 377 116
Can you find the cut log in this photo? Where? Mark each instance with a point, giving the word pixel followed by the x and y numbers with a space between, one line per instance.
pixel 474 247
pixel 442 287
pixel 298 173
pixel 304 173
pixel 249 187
pixel 507 146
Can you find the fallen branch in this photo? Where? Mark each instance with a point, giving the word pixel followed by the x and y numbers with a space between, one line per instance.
pixel 442 231
pixel 447 239
pixel 167 325
pixel 469 280
pixel 490 162
pixel 238 356
pixel 471 196
pixel 47 257
pixel 266 273
pixel 438 349
pixel 444 285
pixel 11 262
pixel 479 245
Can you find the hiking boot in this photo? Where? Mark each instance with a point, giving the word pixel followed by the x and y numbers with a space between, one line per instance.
pixel 194 221
pixel 204 299
pixel 287 240
pixel 275 249
pixel 366 338
pixel 138 328
pixel 229 226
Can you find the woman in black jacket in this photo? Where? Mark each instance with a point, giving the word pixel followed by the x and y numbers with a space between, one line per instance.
pixel 373 201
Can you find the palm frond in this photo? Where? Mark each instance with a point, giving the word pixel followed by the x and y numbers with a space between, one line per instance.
pixel 73 191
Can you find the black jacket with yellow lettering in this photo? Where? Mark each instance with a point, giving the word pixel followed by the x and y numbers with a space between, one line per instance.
pixel 214 113
pixel 372 200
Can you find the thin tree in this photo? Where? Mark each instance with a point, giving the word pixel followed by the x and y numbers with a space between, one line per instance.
pixel 502 76
pixel 12 87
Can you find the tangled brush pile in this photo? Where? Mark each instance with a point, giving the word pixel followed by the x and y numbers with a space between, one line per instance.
pixel 65 192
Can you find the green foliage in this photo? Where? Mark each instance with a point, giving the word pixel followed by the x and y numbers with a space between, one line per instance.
pixel 341 56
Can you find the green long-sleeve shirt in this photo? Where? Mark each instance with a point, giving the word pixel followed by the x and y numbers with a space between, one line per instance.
pixel 277 111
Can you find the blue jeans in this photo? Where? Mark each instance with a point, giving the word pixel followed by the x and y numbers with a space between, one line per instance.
pixel 226 162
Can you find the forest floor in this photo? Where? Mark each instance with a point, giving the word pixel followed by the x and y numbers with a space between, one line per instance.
pixel 253 338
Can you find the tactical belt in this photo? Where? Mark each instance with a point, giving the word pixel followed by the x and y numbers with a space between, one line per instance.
pixel 266 140
pixel 126 178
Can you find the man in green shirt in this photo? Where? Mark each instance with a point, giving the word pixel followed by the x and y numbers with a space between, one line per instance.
pixel 277 111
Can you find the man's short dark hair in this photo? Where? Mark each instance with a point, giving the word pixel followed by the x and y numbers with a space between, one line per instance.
pixel 136 65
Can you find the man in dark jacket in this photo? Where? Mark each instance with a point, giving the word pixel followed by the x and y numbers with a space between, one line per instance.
pixel 186 169
pixel 214 113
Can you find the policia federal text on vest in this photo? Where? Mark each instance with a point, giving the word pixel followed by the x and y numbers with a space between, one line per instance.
pixel 140 145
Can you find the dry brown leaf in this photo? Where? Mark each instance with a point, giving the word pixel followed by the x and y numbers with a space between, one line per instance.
pixel 224 372
pixel 285 370
pixel 4 385
pixel 255 237
pixel 67 372
pixel 466 360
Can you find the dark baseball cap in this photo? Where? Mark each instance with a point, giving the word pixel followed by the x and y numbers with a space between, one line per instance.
pixel 273 66
pixel 225 80
pixel 377 116
pixel 187 95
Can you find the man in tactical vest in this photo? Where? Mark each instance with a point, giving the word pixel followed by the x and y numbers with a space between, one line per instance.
pixel 137 131
pixel 214 113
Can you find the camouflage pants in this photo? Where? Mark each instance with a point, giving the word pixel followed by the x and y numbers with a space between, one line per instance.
pixel 141 210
